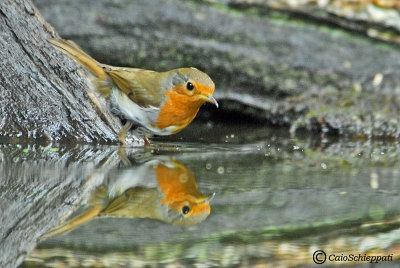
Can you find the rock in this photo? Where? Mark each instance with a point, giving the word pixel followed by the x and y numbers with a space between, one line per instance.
pixel 43 95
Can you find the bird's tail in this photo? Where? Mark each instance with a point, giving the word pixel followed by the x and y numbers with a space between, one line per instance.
pixel 74 222
pixel 76 53
pixel 98 202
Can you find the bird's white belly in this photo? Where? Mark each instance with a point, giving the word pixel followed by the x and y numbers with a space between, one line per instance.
pixel 142 176
pixel 143 116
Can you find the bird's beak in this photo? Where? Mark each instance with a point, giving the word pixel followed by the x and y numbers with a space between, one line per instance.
pixel 210 99
pixel 206 199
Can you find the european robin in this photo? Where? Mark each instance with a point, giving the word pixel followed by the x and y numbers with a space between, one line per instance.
pixel 166 191
pixel 160 103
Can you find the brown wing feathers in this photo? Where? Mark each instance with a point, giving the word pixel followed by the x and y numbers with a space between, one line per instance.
pixel 141 86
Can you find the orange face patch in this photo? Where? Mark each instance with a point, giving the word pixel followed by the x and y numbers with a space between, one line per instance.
pixel 181 105
pixel 199 89
pixel 180 189
pixel 205 90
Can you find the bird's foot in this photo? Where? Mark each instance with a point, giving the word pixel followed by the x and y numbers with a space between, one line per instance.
pixel 122 133
pixel 146 141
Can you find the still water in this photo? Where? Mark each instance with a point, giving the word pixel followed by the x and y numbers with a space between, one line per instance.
pixel 213 196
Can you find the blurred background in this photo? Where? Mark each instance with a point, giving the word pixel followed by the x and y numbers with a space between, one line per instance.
pixel 322 66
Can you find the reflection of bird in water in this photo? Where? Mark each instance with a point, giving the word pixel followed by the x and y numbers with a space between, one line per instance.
pixel 165 191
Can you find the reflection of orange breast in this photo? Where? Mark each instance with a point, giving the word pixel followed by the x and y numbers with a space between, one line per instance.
pixel 179 187
pixel 176 183
pixel 178 110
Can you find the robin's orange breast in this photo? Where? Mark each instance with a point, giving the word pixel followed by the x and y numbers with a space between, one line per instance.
pixel 178 110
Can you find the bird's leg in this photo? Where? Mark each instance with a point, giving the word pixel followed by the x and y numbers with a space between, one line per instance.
pixel 146 140
pixel 124 130
pixel 124 158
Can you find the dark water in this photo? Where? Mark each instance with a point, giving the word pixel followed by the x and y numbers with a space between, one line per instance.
pixel 278 199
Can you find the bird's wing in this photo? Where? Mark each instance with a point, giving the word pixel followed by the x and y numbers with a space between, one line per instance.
pixel 141 86
pixel 135 202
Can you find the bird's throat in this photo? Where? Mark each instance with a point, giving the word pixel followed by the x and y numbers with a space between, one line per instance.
pixel 178 110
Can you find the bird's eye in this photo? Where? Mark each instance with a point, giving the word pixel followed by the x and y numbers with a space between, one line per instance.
pixel 189 86
pixel 185 210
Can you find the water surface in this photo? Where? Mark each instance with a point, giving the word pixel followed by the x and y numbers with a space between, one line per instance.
pixel 278 199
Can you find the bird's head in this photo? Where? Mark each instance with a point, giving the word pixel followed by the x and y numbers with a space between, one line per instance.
pixel 196 85
pixel 187 205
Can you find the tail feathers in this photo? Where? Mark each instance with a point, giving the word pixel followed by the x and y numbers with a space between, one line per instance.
pixel 75 222
pixel 76 53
